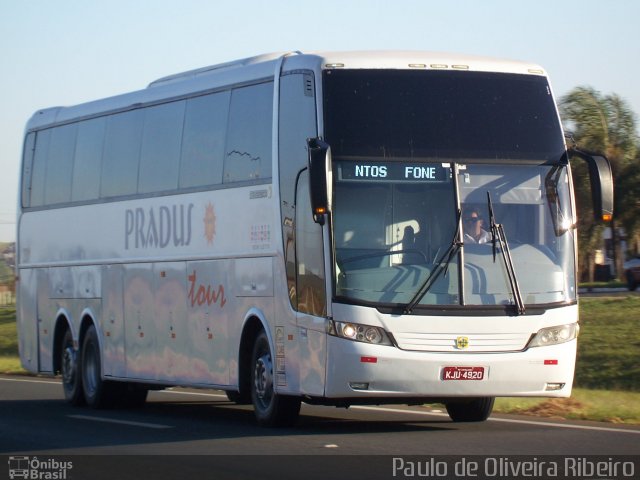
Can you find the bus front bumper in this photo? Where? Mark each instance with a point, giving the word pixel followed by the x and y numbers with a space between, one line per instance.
pixel 363 371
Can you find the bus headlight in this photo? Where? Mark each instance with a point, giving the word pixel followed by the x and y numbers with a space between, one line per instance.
pixel 358 332
pixel 555 335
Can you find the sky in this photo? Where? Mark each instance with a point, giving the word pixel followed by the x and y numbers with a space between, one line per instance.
pixel 65 52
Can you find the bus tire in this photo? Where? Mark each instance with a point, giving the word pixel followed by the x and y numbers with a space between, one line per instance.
pixel 631 282
pixel 130 395
pixel 70 370
pixel 238 398
pixel 271 409
pixel 98 393
pixel 474 410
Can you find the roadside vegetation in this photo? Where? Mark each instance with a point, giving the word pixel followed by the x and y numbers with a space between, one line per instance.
pixel 606 124
pixel 596 405
pixel 6 273
pixel 9 361
pixel 609 344
pixel 607 381
pixel 609 284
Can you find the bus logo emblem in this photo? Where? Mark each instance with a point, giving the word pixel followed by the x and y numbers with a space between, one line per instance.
pixel 209 223
pixel 462 343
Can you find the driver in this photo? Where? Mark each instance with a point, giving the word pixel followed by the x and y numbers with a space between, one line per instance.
pixel 473 231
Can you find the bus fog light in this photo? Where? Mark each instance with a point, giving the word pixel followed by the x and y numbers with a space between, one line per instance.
pixel 359 386
pixel 551 387
pixel 554 335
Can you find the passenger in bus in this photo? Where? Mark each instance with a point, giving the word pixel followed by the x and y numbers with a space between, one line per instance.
pixel 408 238
pixel 473 231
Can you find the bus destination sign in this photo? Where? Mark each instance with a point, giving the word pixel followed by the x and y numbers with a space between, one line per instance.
pixel 393 172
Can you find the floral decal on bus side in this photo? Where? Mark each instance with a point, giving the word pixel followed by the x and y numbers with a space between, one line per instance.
pixel 209 223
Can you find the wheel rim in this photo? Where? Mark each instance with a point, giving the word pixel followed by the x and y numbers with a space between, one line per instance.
pixel 68 365
pixel 263 380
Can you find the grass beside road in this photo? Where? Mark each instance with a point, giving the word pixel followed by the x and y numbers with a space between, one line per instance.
pixel 607 374
pixel 596 405
pixel 9 361
pixel 609 344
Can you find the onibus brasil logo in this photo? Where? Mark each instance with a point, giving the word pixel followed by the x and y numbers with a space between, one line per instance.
pixel 38 469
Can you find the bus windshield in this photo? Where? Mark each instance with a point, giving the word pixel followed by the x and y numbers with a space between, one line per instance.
pixel 390 233
pixel 406 191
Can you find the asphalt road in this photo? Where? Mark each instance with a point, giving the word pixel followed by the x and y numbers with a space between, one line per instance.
pixel 36 421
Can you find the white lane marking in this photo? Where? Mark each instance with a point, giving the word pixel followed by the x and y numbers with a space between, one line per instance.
pixel 199 394
pixel 505 420
pixel 52 382
pixel 397 410
pixel 439 413
pixel 120 422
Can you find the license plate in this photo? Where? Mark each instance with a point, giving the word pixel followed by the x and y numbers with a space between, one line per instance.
pixel 463 373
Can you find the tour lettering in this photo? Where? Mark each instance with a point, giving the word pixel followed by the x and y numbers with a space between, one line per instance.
pixel 200 294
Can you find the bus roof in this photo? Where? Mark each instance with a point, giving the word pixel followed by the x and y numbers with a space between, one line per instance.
pixel 263 67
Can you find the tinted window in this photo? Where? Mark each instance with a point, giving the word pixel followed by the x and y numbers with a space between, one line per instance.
pixel 310 261
pixel 60 164
pixel 440 114
pixel 38 176
pixel 160 154
pixel 205 127
pixel 27 168
pixel 297 123
pixel 86 167
pixel 248 151
pixel 121 154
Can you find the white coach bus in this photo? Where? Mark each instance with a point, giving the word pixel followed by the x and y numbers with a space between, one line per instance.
pixel 337 229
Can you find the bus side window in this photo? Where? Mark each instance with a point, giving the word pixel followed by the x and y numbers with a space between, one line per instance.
pixel 57 188
pixel 88 155
pixel 248 151
pixel 122 154
pixel 39 172
pixel 161 142
pixel 205 128
pixel 27 168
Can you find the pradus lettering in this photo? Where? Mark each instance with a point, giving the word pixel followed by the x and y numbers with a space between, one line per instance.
pixel 158 227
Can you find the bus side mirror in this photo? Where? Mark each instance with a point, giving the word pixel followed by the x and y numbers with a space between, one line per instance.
pixel 319 176
pixel 601 183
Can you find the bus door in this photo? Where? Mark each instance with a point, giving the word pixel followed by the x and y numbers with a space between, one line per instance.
pixel 311 295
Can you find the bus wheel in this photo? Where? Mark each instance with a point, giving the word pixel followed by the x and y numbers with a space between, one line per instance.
pixel 98 393
pixel 271 409
pixel 474 410
pixel 70 369
pixel 238 398
pixel 631 282
pixel 130 395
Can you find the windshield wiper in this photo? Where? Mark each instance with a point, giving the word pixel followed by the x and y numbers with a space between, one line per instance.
pixel 497 233
pixel 442 266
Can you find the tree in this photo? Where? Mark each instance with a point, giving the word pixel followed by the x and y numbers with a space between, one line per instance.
pixel 629 182
pixel 604 124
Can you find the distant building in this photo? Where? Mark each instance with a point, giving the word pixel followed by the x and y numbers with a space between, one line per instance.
pixel 6 295
pixel 9 255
